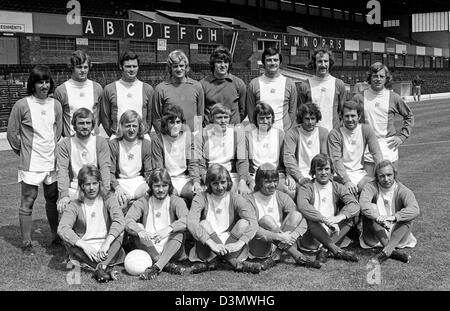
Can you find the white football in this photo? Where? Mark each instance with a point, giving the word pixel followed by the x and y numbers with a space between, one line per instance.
pixel 137 261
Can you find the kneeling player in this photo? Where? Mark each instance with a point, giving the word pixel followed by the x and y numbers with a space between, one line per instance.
pixel 329 209
pixel 173 149
pixel 222 223
pixel 81 149
pixel 131 159
pixel 388 209
pixel 92 227
pixel 280 225
pixel 157 223
pixel 346 146
pixel 264 144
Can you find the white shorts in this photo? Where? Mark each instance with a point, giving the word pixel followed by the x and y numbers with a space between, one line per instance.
pixel 36 178
pixel 131 185
pixel 179 182
pixel 146 136
pixel 356 176
pixel 409 241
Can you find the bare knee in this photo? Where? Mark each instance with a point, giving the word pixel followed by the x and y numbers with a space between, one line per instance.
pixel 294 218
pixel 206 226
pixel 241 225
pixel 267 222
pixel 27 202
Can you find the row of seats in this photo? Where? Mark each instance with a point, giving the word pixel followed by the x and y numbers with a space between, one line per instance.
pixel 112 9
pixel 326 27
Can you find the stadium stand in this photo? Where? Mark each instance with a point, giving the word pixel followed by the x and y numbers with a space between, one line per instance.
pixel 113 9
pixel 13 77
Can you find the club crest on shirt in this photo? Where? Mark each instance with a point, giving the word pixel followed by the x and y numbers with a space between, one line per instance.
pixel 272 91
pixel 217 143
pixel 386 203
pixel 129 95
pixel 377 104
pixel 158 214
pixel 84 153
pixel 176 151
pixel 43 113
pixel 353 142
pixel 324 200
pixel 81 94
pixel 309 143
pixel 270 210
pixel 92 214
pixel 219 211
pixel 130 156
pixel 266 145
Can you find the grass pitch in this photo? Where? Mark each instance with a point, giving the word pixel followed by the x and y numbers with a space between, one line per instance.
pixel 424 160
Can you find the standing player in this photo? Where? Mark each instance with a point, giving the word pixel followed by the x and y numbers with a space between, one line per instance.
pixel 157 223
pixel 92 227
pixel 126 93
pixel 173 150
pixel 346 146
pixel 381 106
pixel 417 84
pixel 81 149
pixel 223 87
pixel 280 224
pixel 79 91
pixel 388 209
pixel 303 142
pixel 131 159
pixel 223 144
pixel 323 89
pixel 274 89
pixel 222 223
pixel 34 128
pixel 330 211
pixel 264 144
pixel 179 90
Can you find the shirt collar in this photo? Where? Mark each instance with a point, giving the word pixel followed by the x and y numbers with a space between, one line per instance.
pixel 211 78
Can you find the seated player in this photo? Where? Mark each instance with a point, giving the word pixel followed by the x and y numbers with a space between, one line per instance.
pixel 131 159
pixel 157 224
pixel 388 208
pixel 222 223
pixel 280 224
pixel 224 144
pixel 173 150
pixel 81 149
pixel 264 144
pixel 346 146
pixel 92 227
pixel 303 142
pixel 330 210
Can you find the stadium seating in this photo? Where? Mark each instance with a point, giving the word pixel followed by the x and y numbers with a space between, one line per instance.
pixel 117 9
pixel 322 26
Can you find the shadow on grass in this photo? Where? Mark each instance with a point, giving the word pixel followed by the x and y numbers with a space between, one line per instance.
pixel 40 234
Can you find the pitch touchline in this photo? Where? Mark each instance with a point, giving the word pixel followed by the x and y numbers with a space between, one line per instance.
pixel 427 143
